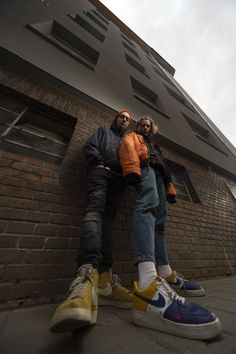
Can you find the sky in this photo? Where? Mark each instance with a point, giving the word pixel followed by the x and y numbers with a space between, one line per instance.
pixel 198 38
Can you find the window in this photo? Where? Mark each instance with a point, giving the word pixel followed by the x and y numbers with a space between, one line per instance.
pixel 84 24
pixel 100 16
pixel 160 73
pixel 131 49
pixel 128 40
pixel 94 19
pixel 204 134
pixel 67 41
pixel 179 98
pixel 197 128
pixel 32 131
pixel 147 96
pixel 151 60
pixel 182 183
pixel 136 65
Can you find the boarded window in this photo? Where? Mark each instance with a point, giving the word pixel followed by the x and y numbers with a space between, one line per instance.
pixel 29 131
pixel 182 183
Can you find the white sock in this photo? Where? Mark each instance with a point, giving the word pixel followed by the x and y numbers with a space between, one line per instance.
pixel 146 274
pixel 164 270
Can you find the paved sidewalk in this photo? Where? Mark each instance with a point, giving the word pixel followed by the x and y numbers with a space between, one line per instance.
pixel 26 331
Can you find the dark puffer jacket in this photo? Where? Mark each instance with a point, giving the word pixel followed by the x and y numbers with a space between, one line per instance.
pixel 102 147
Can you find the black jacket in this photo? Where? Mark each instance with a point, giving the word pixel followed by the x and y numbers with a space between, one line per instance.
pixel 157 160
pixel 102 147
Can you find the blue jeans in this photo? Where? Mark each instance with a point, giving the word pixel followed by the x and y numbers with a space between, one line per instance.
pixel 149 219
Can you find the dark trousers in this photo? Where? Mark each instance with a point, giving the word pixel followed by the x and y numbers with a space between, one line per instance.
pixel 104 194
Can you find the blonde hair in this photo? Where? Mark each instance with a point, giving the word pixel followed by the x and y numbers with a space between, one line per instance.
pixel 153 129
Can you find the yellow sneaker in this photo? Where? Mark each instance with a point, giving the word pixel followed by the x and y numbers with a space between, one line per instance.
pixel 80 307
pixel 112 293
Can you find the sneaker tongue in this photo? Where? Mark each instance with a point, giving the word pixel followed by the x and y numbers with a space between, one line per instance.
pixel 168 291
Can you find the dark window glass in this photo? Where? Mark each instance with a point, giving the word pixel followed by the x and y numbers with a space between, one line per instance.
pixel 84 24
pixel 136 65
pixel 95 20
pixel 143 91
pixel 131 49
pixel 100 16
pixel 67 41
pixel 204 135
pixel 179 98
pixel 127 40
pixel 160 73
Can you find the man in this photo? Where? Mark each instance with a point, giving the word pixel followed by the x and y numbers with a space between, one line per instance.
pixel 105 187
pixel 156 305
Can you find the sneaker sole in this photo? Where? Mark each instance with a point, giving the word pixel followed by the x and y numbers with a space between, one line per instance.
pixel 192 293
pixel 191 331
pixel 69 320
pixel 113 303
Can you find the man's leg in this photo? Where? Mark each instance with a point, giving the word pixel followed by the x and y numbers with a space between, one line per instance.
pixel 90 239
pixel 80 307
pixel 111 292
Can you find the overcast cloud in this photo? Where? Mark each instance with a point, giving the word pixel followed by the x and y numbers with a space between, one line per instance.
pixel 198 38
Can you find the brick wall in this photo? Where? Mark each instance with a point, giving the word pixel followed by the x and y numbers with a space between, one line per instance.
pixel 42 206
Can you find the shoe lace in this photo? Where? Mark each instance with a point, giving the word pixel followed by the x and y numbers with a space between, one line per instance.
pixel 115 280
pixel 79 283
pixel 168 291
pixel 181 279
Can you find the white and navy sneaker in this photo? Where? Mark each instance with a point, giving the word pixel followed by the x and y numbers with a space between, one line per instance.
pixel 159 307
pixel 184 287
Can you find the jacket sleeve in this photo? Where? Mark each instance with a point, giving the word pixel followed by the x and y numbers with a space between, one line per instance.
pixel 129 159
pixel 92 148
pixel 168 178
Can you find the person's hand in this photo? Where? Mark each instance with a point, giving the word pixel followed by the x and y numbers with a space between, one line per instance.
pixel 132 179
pixel 171 194
pixel 171 199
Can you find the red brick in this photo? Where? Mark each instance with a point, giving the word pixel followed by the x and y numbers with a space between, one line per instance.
pixel 12 214
pixel 18 272
pixel 28 290
pixel 20 228
pixel 5 292
pixel 31 242
pixel 8 241
pixel 8 256
pixel 46 229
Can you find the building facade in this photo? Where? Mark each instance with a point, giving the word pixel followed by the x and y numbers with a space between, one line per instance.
pixel 65 68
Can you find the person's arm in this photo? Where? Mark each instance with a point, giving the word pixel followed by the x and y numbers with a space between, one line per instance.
pixel 170 189
pixel 129 159
pixel 92 148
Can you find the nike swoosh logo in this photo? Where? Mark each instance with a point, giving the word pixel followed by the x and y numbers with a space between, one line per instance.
pixel 106 291
pixel 160 302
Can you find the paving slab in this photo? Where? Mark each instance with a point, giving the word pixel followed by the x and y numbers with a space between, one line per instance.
pixel 27 330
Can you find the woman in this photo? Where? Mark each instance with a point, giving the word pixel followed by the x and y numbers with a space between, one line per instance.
pixel 156 305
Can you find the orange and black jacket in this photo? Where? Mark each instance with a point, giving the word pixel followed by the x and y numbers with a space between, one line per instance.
pixel 135 153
